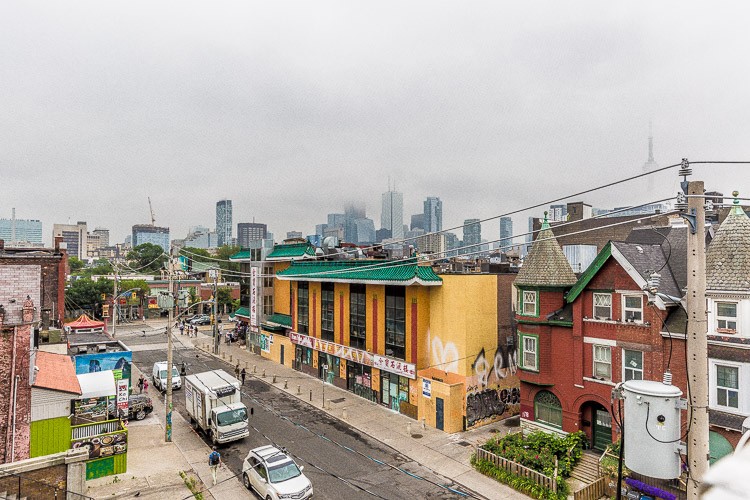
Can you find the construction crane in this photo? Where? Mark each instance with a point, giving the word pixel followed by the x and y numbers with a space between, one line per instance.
pixel 153 219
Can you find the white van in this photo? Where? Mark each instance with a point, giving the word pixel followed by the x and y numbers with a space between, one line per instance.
pixel 159 376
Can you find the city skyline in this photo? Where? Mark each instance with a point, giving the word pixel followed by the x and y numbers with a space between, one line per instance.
pixel 490 120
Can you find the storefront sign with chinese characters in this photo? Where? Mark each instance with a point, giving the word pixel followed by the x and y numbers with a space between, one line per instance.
pixel 355 355
pixel 254 296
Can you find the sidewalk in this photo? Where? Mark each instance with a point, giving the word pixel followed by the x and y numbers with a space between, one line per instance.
pixel 154 466
pixel 445 454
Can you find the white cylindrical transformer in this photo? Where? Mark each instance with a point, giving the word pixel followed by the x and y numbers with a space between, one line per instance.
pixel 652 428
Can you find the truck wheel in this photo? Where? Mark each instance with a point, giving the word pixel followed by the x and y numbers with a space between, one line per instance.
pixel 246 481
pixel 140 415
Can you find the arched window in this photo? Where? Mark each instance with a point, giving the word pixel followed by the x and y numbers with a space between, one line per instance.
pixel 547 409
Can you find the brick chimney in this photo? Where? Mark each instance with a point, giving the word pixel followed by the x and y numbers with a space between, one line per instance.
pixel 28 310
pixel 58 240
pixel 2 245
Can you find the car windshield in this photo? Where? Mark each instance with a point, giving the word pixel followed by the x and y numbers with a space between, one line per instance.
pixel 283 472
pixel 163 373
pixel 231 417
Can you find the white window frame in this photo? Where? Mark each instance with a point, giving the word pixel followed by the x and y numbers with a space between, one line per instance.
pixel 602 295
pixel 626 309
pixel 534 353
pixel 626 368
pixel 726 319
pixel 524 302
pixel 714 386
pixel 600 360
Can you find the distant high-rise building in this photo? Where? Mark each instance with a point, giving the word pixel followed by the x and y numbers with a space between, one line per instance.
pixel 433 214
pixel 417 222
pixel 336 219
pixel 320 229
pixel 75 236
pixel 20 230
pixel 506 233
pixel 650 164
pixel 364 231
pixel 224 221
pixel 201 237
pixel 472 235
pixel 103 235
pixel 392 214
pixel 146 233
pixel 433 243
pixel 451 243
pixel 292 235
pixel 557 213
pixel 382 234
pixel 250 231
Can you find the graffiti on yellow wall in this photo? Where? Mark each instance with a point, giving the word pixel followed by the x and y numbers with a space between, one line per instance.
pixel 442 356
pixel 492 393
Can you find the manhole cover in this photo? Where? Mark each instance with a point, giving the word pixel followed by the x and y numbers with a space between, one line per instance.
pixel 416 436
pixel 464 443
pixel 339 400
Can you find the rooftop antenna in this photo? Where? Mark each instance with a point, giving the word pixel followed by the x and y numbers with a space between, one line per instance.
pixel 151 209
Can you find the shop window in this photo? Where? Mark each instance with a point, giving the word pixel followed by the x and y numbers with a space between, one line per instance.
pixel 603 305
pixel 357 317
pixel 547 409
pixel 726 317
pixel 326 312
pixel 303 307
pixel 632 365
pixel 395 322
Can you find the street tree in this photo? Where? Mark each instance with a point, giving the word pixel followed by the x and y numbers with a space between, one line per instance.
pixel 147 258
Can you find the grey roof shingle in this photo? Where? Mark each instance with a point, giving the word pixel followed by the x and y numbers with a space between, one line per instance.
pixel 647 259
pixel 728 255
pixel 546 265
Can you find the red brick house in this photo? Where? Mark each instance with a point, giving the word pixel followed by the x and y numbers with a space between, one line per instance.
pixel 579 337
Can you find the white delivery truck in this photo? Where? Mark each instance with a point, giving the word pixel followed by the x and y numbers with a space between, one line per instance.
pixel 214 405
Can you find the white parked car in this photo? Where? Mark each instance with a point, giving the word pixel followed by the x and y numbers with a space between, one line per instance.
pixel 273 475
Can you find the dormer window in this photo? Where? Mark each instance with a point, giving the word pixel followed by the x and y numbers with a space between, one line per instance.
pixel 603 305
pixel 528 307
pixel 632 308
pixel 726 317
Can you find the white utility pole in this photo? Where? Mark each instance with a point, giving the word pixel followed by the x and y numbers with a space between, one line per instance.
pixel 697 346
pixel 114 303
pixel 215 274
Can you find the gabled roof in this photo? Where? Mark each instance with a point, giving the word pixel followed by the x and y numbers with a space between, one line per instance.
pixel 639 261
pixel 56 372
pixel 393 272
pixel 292 251
pixel 728 255
pixel 545 265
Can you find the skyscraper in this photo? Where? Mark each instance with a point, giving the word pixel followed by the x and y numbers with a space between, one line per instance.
pixel 146 233
pixel 506 233
pixel 224 222
pixel 20 230
pixel 650 164
pixel 472 235
pixel 433 214
pixel 250 231
pixel 392 214
pixel 75 236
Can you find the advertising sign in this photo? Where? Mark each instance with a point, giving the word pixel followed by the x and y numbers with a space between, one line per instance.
pixel 265 343
pixel 254 296
pixel 356 355
pixel 122 398
pixel 119 362
pixel 103 445
pixel 427 388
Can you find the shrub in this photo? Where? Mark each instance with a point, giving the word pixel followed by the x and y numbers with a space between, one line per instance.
pixel 522 484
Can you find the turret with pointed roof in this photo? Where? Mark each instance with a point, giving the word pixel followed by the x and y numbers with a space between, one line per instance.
pixel 728 255
pixel 546 265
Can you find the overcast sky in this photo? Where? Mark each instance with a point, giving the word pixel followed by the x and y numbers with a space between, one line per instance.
pixel 292 109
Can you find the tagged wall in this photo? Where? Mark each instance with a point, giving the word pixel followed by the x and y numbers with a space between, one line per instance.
pixel 492 393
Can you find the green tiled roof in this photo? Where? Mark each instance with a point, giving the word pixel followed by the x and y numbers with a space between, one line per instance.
pixel 279 319
pixel 243 311
pixel 241 255
pixel 290 251
pixel 397 272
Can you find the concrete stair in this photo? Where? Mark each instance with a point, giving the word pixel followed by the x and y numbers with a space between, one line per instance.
pixel 587 470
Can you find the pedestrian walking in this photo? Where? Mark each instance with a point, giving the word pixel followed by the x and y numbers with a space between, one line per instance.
pixel 182 328
pixel 140 385
pixel 214 461
pixel 145 384
pixel 237 370
pixel 242 374
pixel 183 369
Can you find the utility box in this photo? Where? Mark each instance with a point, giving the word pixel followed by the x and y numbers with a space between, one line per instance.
pixel 652 428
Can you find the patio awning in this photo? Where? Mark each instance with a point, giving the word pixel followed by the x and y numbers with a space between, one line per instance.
pixel 97 384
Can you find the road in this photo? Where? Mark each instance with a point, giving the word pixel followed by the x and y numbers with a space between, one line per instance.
pixel 318 441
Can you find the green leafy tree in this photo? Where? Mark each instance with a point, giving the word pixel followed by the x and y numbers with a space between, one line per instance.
pixel 85 293
pixel 147 258
pixel 223 254
pixel 101 267
pixel 224 296
pixel 75 264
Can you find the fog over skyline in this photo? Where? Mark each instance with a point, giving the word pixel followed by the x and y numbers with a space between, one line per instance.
pixel 294 109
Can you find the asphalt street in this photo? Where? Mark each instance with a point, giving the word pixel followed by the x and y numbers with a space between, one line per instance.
pixel 341 462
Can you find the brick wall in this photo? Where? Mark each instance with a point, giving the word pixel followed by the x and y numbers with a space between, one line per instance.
pixel 37 484
pixel 51 286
